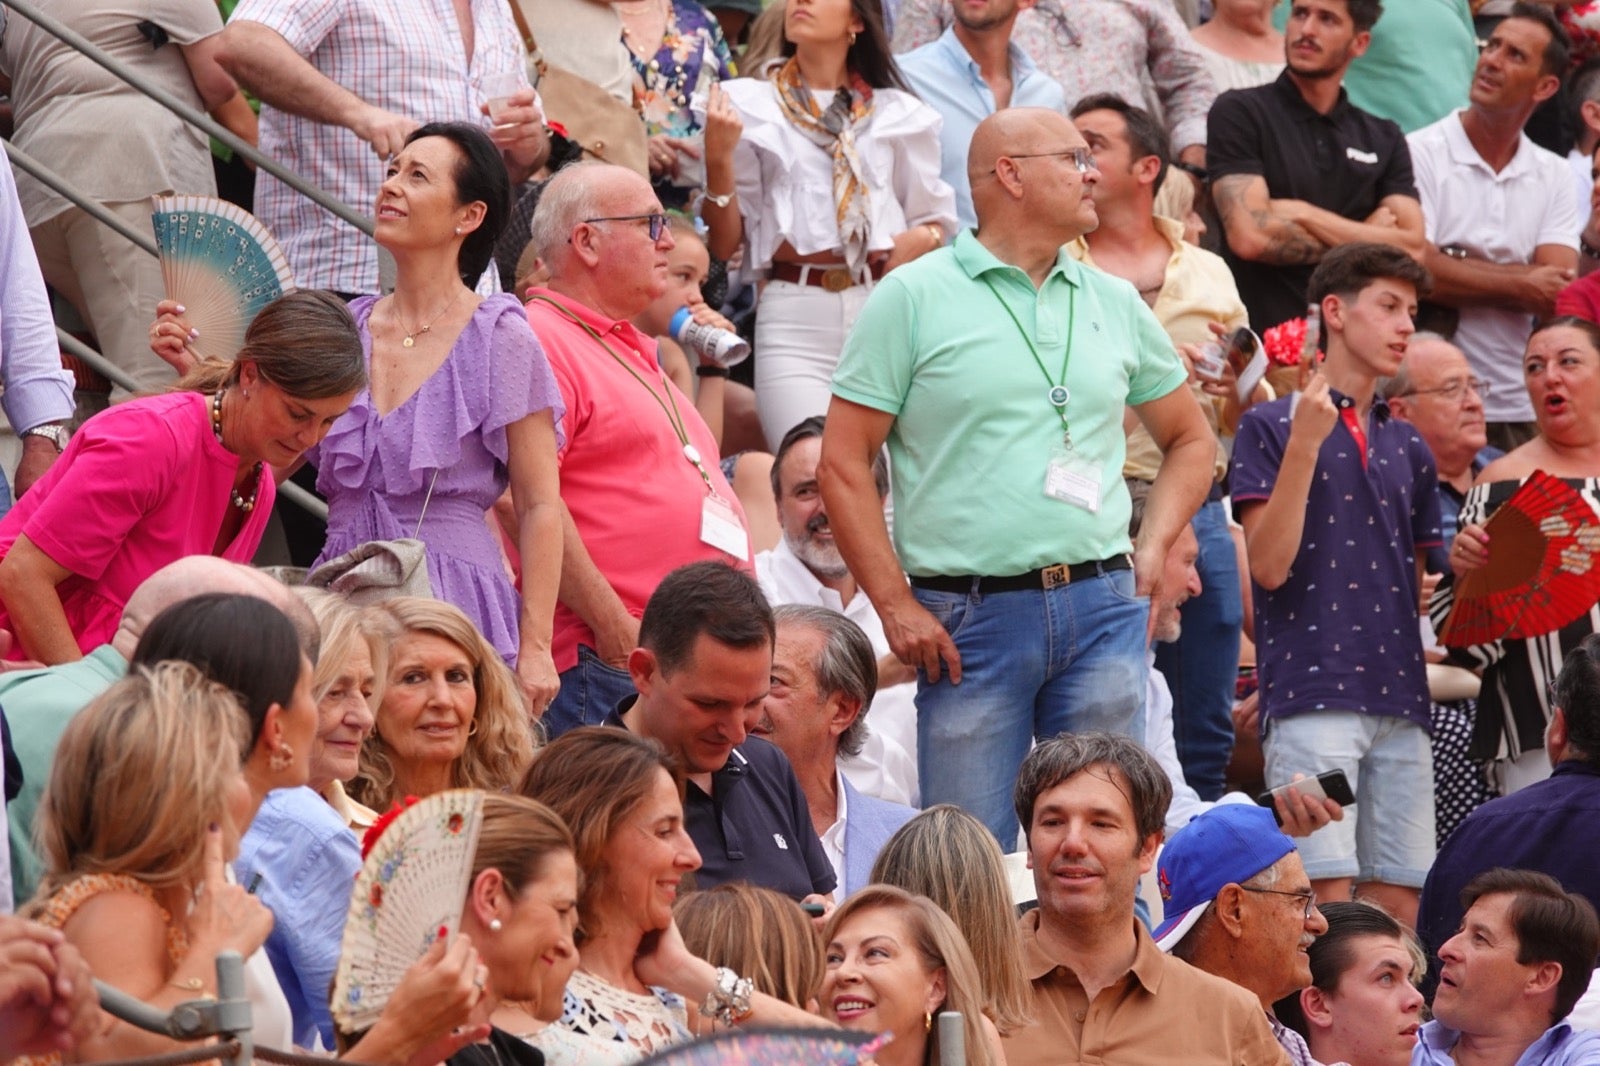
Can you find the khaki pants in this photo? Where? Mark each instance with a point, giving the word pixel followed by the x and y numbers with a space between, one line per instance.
pixel 113 283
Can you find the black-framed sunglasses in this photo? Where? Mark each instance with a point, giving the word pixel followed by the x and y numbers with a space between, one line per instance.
pixel 1310 898
pixel 658 222
pixel 1082 158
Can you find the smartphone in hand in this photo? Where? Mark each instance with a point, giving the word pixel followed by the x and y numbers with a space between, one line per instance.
pixel 1330 784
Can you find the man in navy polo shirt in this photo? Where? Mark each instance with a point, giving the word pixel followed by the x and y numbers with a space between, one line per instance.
pixel 1338 502
pixel 1296 169
pixel 703 668
pixel 1533 829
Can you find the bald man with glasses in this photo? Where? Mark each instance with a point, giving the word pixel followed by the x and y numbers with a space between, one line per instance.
pixel 997 371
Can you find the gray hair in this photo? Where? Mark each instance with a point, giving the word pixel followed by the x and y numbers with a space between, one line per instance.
pixel 846 664
pixel 1401 382
pixel 568 199
pixel 1189 946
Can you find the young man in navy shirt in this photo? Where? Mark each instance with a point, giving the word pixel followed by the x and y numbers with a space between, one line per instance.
pixel 1339 503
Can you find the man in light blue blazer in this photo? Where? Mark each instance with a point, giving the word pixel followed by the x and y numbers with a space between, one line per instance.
pixel 824 674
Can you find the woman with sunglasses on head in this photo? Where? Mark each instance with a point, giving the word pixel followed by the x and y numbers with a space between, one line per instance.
pixel 828 176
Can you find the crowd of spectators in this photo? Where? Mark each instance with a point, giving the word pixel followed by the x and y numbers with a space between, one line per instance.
pixel 831 525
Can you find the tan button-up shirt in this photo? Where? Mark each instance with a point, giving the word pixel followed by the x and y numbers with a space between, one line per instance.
pixel 1162 1011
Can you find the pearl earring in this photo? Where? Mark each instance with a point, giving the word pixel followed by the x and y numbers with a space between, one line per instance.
pixel 458 231
pixel 495 926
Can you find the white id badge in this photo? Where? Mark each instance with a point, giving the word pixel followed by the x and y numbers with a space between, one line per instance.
pixel 1072 479
pixel 720 527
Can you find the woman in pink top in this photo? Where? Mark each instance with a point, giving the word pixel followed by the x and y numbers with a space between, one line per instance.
pixel 188 472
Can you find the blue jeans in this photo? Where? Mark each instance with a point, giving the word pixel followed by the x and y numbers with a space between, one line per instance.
pixel 1202 665
pixel 1033 664
pixel 589 691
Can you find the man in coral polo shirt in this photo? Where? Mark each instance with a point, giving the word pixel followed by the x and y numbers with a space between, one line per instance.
pixel 640 484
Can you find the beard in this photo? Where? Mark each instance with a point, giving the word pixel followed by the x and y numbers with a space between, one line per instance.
pixel 821 559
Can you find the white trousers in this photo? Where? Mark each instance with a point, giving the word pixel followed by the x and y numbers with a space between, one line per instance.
pixel 800 330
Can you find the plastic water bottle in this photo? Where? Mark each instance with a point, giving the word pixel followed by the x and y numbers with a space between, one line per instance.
pixel 708 342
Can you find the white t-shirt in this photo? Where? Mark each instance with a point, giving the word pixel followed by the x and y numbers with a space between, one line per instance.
pixel 1500 217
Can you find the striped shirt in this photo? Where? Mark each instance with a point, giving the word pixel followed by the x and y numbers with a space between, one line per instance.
pixel 1518 674
pixel 404 56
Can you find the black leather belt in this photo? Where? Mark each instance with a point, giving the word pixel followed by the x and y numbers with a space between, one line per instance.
pixel 1048 577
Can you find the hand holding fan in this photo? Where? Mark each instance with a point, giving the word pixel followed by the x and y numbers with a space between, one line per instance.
pixel 412 885
pixel 1543 571
pixel 219 262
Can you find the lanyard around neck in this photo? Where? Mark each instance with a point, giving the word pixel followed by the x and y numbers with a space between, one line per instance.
pixel 669 406
pixel 1059 395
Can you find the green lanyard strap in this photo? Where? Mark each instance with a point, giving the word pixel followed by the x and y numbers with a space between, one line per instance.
pixel 1057 388
pixel 690 452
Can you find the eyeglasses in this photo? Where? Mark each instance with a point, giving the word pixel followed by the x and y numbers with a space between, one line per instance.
pixel 1082 158
pixel 658 222
pixel 1310 898
pixel 1456 390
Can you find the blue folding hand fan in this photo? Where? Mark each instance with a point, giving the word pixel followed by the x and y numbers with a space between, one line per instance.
pixel 220 263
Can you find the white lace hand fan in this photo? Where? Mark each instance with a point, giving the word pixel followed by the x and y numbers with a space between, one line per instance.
pixel 219 262
pixel 413 884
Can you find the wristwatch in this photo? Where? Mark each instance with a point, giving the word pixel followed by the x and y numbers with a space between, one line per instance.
pixel 54 432
pixel 719 201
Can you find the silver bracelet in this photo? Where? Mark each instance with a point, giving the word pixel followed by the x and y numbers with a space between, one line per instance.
pixel 729 1000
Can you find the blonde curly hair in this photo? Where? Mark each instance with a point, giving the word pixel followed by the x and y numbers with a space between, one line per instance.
pixel 501 745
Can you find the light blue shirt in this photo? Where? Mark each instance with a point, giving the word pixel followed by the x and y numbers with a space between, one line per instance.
pixel 307 859
pixel 37 389
pixel 1561 1045
pixel 947 79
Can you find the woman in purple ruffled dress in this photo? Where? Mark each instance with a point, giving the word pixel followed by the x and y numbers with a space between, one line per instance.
pixel 461 404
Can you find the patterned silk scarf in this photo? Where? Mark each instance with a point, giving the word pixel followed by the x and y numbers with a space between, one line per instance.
pixel 835 131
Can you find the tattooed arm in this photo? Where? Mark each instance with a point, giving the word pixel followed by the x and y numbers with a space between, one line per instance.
pixel 1256 229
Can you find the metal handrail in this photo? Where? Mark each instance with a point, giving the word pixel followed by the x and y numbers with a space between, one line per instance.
pixel 228 1015
pixel 117 376
pixel 199 119
pixel 27 163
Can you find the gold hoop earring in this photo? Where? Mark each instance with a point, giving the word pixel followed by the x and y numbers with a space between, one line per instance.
pixel 852 38
pixel 473 731
pixel 282 758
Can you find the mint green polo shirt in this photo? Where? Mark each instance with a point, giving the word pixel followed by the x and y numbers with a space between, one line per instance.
pixel 1419 65
pixel 974 428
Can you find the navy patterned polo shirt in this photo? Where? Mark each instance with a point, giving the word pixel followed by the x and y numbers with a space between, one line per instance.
pixel 1341 633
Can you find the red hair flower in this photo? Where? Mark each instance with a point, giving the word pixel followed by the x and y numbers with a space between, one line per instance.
pixel 370 838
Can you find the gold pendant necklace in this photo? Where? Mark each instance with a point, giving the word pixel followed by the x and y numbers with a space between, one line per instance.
pixel 412 334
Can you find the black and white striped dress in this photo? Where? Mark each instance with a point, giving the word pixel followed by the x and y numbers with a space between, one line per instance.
pixel 1519 675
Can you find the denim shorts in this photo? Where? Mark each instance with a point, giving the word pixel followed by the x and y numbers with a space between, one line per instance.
pixel 1388 834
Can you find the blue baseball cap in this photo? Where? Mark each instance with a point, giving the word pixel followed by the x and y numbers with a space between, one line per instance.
pixel 1226 845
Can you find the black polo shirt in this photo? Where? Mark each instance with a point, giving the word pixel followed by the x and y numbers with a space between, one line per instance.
pixel 755 826
pixel 1346 161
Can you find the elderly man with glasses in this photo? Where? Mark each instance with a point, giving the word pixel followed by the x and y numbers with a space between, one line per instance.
pixel 642 492
pixel 1240 906
pixel 1437 391
pixel 998 370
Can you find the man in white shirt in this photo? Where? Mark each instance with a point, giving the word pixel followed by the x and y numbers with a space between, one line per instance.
pixel 1501 218
pixel 806 568
pixel 824 672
